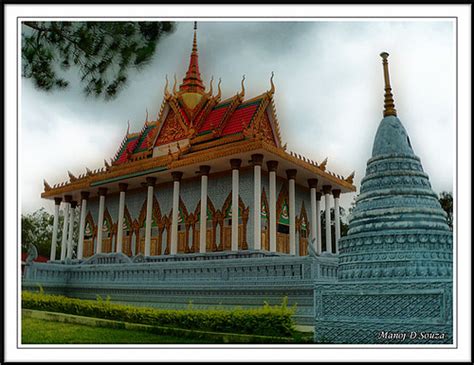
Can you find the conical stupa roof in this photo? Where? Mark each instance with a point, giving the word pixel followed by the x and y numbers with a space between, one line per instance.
pixel 397 229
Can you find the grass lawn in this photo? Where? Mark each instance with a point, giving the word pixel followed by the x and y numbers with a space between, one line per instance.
pixel 36 331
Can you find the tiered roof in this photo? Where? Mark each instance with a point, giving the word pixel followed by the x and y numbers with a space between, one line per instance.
pixel 192 125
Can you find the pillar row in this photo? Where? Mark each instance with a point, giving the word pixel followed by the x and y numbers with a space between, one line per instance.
pixel 313 184
pixel 204 172
pixel 82 223
pixel 54 240
pixel 71 229
pixel 123 189
pixel 256 161
pixel 327 212
pixel 150 181
pixel 176 175
pixel 291 175
pixel 235 164
pixel 272 169
pixel 337 220
pixel 67 204
pixel 100 219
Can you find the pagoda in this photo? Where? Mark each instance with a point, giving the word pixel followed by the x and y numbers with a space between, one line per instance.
pixel 395 264
pixel 204 203
pixel 202 157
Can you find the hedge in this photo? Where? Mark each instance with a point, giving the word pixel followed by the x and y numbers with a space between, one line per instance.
pixel 267 320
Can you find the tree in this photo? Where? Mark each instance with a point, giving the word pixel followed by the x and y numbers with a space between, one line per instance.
pixel 103 52
pixel 446 201
pixel 343 226
pixel 37 228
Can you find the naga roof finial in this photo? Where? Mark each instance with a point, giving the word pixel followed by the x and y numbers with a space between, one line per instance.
pixel 272 85
pixel 219 88
pixel 210 85
pixel 128 127
pixel 389 105
pixel 174 85
pixel 146 117
pixel 242 92
pixel 167 93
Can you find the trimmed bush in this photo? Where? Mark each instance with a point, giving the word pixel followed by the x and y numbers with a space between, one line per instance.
pixel 267 320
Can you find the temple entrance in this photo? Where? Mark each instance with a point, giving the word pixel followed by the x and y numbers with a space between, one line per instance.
pixel 303 232
pixel 182 241
pixel 283 229
pixel 211 223
pixel 265 224
pixel 156 230
pixel 88 245
pixel 127 233
pixel 107 233
pixel 227 225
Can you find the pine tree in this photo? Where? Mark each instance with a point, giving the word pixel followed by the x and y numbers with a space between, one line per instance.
pixel 103 52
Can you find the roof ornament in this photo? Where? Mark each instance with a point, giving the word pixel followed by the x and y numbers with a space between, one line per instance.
pixel 285 146
pixel 167 93
pixel 389 105
pixel 46 185
pixel 210 86
pixel 323 164
pixel 71 176
pixel 88 171
pixel 146 117
pixel 242 92
pixel 272 85
pixel 106 164
pixel 219 88
pixel 350 178
pixel 174 85
pixel 128 127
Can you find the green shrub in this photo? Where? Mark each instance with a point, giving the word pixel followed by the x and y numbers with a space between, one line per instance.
pixel 267 320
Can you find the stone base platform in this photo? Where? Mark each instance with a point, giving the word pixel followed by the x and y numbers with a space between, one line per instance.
pixel 220 279
pixel 415 312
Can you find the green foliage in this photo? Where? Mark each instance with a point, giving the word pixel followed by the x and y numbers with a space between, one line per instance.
pixel 37 228
pixel 446 201
pixel 102 51
pixel 267 320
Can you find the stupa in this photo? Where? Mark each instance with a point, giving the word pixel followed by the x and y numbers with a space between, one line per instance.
pixel 395 265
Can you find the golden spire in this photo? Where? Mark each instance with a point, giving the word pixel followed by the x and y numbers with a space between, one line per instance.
pixel 389 105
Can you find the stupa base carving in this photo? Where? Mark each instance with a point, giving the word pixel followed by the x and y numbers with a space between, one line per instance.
pixel 414 312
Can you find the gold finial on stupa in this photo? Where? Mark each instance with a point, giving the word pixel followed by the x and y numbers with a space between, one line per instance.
pixel 389 105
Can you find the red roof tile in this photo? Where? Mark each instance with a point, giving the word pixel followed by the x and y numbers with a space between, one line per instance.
pixel 241 118
pixel 129 146
pixel 214 117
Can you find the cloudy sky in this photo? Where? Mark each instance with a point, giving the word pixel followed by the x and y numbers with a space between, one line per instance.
pixel 329 95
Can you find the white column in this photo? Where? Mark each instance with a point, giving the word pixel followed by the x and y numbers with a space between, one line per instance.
pixel 257 200
pixel 71 229
pixel 204 171
pixel 235 164
pixel 318 222
pixel 123 189
pixel 272 167
pixel 174 223
pixel 82 223
pixel 100 219
pixel 67 204
pixel 314 217
pixel 149 209
pixel 54 240
pixel 337 220
pixel 327 212
pixel 291 174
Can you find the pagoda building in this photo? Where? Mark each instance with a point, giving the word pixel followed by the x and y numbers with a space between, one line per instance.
pixel 174 187
pixel 395 270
